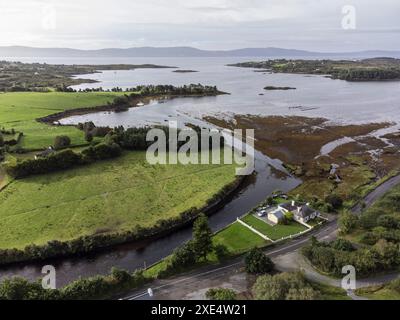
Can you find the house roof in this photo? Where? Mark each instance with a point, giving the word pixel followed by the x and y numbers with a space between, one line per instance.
pixel 306 211
pixel 288 206
pixel 278 214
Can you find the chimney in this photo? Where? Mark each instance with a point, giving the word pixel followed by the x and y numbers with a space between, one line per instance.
pixel 307 204
pixel 293 203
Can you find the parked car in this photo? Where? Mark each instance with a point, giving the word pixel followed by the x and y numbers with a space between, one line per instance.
pixel 262 213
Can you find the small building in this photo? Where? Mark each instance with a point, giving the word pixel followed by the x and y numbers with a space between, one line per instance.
pixel 276 216
pixel 305 214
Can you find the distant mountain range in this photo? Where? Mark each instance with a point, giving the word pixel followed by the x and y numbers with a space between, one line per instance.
pixel 20 51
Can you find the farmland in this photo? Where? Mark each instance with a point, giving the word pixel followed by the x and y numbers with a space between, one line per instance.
pixel 106 197
pixel 19 111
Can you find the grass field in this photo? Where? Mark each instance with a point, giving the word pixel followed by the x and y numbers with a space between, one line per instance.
pixel 329 292
pixel 273 232
pixel 238 239
pixel 379 293
pixel 105 197
pixel 20 109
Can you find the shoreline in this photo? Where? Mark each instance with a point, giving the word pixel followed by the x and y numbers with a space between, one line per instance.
pixel 52 118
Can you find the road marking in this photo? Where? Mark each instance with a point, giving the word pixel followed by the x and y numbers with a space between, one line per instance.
pixel 298 242
pixel 185 279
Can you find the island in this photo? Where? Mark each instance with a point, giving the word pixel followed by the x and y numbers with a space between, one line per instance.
pixel 41 77
pixel 184 71
pixel 375 69
pixel 278 88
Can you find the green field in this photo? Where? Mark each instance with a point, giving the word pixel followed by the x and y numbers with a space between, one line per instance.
pixel 383 292
pixel 105 197
pixel 20 110
pixel 273 232
pixel 238 239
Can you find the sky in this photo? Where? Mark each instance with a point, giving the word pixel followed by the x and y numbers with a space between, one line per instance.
pixel 318 25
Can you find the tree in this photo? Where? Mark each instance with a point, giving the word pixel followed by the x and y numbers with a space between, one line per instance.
pixel 347 222
pixel 202 237
pixel 183 256
pixel 387 221
pixel 119 275
pixel 257 262
pixel 88 136
pixel 221 251
pixel 277 287
pixel 221 294
pixel 342 245
pixel 270 201
pixel 61 142
pixel 388 253
pixel 335 201
pixel 307 293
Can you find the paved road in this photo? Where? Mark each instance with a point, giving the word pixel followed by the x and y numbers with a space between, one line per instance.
pixel 188 281
pixel 174 288
pixel 378 192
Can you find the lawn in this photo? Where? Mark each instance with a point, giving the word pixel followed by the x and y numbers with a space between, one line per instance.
pixel 273 232
pixel 105 197
pixel 238 239
pixel 19 110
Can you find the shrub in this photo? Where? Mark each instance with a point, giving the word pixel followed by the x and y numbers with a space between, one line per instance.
pixel 257 262
pixel 58 161
pixel 61 142
pixel 395 285
pixel 347 222
pixel 335 201
pixel 383 256
pixel 121 276
pixel 221 251
pixel 387 221
pixel 88 136
pixel 221 294
pixel 284 286
pixel 183 256
pixel 101 151
pixel 342 244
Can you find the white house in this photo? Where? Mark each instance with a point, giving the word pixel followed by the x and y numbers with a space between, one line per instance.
pixel 301 212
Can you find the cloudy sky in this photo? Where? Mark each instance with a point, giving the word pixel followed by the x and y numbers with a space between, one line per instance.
pixel 206 24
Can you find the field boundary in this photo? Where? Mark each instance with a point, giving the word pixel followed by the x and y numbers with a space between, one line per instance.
pixel 292 236
pixel 254 230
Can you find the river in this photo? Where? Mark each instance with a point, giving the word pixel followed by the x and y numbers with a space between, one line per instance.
pixel 315 96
